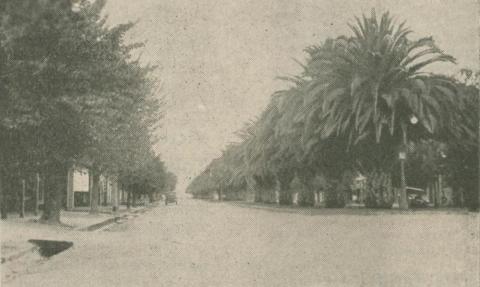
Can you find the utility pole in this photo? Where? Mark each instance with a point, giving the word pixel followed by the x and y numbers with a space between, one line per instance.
pixel 403 158
pixel 403 202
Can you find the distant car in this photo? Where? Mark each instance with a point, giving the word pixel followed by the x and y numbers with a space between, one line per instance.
pixel 171 198
pixel 416 197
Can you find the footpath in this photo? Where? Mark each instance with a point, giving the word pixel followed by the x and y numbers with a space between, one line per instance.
pixel 15 233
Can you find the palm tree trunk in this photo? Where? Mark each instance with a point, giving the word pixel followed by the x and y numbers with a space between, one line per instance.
pixel 285 194
pixel 375 112
pixel 437 192
pixel 285 197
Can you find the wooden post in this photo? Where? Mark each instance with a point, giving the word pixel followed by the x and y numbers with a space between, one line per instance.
pixel 22 200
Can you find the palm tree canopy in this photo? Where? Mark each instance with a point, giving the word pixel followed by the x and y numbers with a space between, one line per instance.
pixel 374 80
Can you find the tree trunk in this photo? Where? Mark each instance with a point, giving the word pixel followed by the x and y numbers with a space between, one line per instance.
pixel 3 190
pixel 3 197
pixel 258 195
pixel 22 200
pixel 462 198
pixel 306 194
pixel 55 187
pixel 95 191
pixel 440 190
pixel 134 199
pixel 285 194
pixel 151 197
pixel 257 189
pixel 476 205
pixel 129 198
pixel 37 192
pixel 115 195
pixel 437 193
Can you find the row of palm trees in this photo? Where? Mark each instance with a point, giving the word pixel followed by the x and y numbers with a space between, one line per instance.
pixel 359 102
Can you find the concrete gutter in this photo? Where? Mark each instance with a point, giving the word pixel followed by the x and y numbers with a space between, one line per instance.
pixel 109 221
pixel 20 254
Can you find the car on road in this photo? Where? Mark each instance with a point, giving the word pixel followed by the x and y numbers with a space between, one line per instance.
pixel 171 198
pixel 417 197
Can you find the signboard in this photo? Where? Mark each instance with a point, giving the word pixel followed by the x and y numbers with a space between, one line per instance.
pixel 80 181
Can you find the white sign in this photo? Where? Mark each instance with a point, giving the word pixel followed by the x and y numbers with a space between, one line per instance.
pixel 80 181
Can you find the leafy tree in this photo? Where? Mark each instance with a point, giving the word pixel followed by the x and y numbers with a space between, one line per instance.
pixel 41 88
pixel 71 94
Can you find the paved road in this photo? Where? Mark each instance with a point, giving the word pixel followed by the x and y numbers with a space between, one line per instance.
pixel 201 243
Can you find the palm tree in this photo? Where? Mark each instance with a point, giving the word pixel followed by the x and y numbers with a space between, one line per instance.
pixel 375 81
pixel 273 149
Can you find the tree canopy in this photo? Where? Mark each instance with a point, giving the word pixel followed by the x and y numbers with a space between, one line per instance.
pixel 349 110
pixel 72 94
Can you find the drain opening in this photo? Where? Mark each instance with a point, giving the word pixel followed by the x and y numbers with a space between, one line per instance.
pixel 48 248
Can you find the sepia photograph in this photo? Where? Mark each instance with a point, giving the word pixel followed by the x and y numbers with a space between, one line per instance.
pixel 277 143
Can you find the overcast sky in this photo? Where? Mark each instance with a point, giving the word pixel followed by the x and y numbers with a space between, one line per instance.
pixel 218 60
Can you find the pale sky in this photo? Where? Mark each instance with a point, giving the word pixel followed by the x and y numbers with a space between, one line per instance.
pixel 219 59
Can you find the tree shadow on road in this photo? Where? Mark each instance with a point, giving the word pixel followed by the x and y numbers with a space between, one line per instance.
pixel 347 211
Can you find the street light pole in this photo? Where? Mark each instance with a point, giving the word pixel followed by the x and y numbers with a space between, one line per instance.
pixel 403 204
